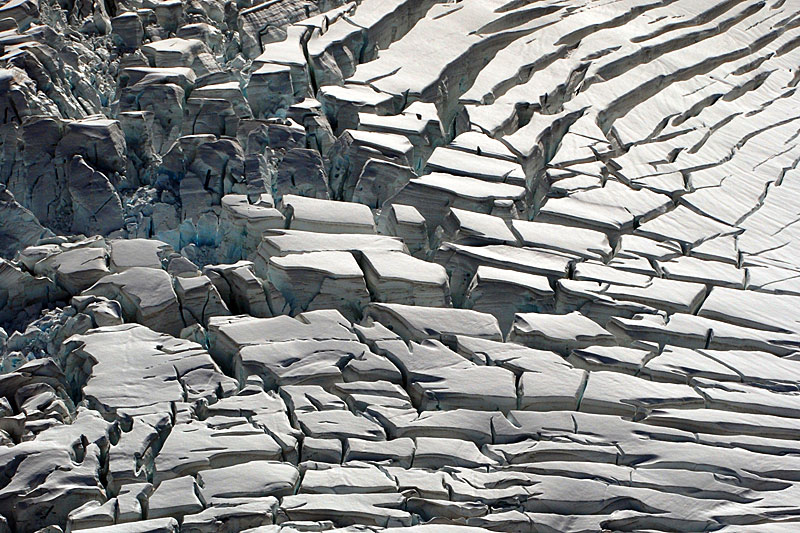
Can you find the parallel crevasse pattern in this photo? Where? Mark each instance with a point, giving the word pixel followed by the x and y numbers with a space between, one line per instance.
pixel 430 266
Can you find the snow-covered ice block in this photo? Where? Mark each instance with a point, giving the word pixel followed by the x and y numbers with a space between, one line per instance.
pixel 254 479
pixel 146 295
pixel 471 228
pixel 418 323
pixel 395 277
pixel 582 242
pixel 320 280
pixel 560 333
pixel 281 243
pixel 327 216
pixel 504 293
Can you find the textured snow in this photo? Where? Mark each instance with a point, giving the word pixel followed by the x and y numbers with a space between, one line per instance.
pixel 432 266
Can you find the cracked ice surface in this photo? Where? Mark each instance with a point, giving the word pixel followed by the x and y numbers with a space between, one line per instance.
pixel 430 266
